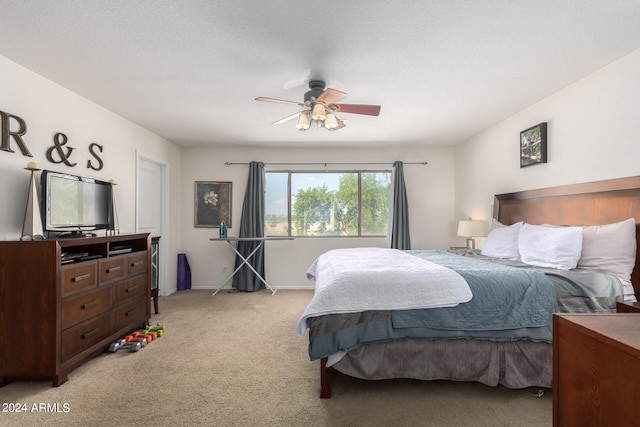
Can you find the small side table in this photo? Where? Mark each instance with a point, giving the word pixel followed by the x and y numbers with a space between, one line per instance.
pixel 628 307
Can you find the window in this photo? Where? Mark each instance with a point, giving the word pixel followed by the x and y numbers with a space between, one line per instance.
pixel 341 204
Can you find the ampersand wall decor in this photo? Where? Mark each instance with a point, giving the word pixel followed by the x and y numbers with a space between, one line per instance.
pixel 59 141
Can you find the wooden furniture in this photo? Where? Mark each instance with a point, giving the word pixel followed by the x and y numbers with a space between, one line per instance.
pixel 594 203
pixel 55 315
pixel 628 307
pixel 596 366
pixel 155 271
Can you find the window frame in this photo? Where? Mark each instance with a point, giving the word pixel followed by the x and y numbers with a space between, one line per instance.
pixel 359 174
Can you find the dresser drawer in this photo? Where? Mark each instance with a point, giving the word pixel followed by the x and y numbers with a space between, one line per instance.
pixel 128 312
pixel 80 307
pixel 79 277
pixel 111 269
pixel 136 262
pixel 130 288
pixel 84 335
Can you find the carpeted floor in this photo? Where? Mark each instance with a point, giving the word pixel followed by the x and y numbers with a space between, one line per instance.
pixel 234 360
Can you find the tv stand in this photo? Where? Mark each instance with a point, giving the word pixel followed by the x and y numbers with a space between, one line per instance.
pixel 55 314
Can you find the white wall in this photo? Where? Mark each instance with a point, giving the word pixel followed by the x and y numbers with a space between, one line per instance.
pixel 430 189
pixel 593 130
pixel 48 108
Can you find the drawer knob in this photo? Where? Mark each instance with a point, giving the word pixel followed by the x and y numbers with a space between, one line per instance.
pixel 113 269
pixel 130 312
pixel 133 288
pixel 90 304
pixel 90 333
pixel 137 263
pixel 81 278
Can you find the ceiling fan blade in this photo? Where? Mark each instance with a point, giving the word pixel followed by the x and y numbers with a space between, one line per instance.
pixel 369 110
pixel 279 101
pixel 330 96
pixel 288 118
pixel 302 79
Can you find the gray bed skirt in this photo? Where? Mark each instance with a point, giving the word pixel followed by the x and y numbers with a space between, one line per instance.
pixel 517 364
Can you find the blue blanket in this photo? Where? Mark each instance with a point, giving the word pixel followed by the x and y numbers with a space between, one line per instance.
pixel 503 298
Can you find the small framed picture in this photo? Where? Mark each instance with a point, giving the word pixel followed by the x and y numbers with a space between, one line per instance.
pixel 212 204
pixel 533 145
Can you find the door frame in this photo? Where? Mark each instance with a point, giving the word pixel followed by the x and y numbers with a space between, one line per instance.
pixel 164 245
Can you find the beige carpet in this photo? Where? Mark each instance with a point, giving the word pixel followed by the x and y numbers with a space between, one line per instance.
pixel 234 360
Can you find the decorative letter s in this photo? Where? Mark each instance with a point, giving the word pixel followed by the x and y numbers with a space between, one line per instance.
pixel 92 148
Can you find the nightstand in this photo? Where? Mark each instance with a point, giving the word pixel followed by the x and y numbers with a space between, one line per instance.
pixel 628 307
pixel 596 366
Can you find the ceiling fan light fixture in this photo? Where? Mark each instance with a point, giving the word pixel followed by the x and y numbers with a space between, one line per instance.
pixel 319 107
pixel 318 113
pixel 303 122
pixel 330 122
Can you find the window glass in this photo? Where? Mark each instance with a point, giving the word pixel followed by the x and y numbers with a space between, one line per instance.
pixel 317 204
pixel 277 206
pixel 376 189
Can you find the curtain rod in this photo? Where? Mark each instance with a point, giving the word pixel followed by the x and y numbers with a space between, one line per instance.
pixel 327 163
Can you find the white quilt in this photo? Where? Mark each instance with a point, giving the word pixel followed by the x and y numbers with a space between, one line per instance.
pixel 360 279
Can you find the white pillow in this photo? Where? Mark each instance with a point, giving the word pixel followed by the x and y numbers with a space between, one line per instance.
pixel 550 247
pixel 502 242
pixel 610 248
pixel 496 224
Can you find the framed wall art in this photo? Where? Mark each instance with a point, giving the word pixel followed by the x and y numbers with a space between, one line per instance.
pixel 212 204
pixel 533 145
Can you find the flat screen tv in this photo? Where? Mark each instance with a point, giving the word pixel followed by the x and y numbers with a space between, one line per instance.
pixel 75 205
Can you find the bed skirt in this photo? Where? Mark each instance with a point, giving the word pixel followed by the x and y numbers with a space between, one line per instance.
pixel 516 364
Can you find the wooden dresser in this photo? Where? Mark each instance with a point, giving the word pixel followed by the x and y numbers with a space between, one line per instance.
pixel 596 369
pixel 55 314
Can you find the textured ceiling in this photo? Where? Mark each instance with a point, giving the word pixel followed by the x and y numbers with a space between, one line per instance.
pixel 442 70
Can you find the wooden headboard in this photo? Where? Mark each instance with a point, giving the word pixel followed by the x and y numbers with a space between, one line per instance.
pixel 593 203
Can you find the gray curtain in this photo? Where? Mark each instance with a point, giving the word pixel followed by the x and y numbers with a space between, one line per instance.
pixel 399 216
pixel 252 225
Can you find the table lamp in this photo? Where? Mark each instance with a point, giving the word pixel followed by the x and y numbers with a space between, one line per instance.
pixel 470 229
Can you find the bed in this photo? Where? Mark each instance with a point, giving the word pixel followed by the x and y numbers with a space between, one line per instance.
pixel 473 333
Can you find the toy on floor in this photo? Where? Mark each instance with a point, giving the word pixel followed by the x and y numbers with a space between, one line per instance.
pixel 122 344
pixel 135 337
pixel 158 329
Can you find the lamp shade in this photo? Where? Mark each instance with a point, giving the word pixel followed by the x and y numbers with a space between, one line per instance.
pixel 318 113
pixel 470 228
pixel 303 121
pixel 330 122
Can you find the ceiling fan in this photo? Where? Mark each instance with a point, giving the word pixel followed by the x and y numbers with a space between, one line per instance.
pixel 319 107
